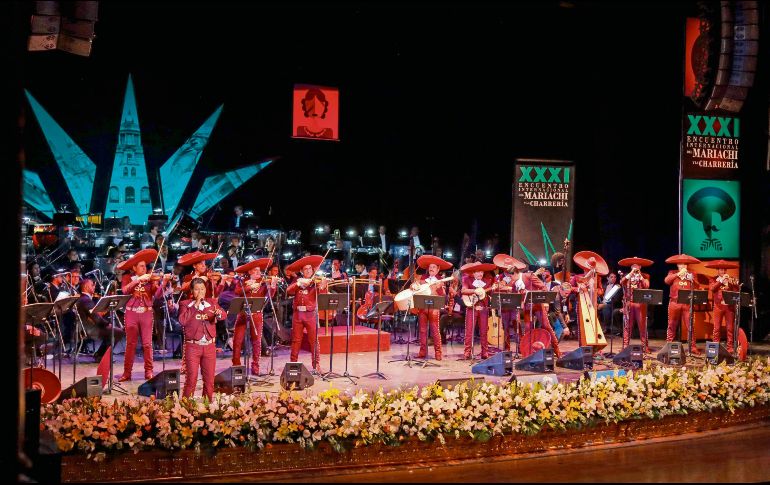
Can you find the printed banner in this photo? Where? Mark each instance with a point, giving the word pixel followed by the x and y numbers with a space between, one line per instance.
pixel 543 209
pixel 316 112
pixel 710 146
pixel 711 218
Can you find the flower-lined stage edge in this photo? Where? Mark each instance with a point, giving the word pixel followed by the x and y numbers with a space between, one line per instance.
pixel 479 410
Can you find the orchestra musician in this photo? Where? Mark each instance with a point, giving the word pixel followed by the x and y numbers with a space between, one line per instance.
pixel 723 311
pixel 506 279
pixel 85 303
pixel 477 276
pixel 256 286
pixel 681 279
pixel 425 317
pixel 138 312
pixel 198 316
pixel 305 317
pixel 630 282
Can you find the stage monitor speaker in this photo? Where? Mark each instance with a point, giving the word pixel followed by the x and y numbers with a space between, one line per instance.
pixel 530 379
pixel 500 364
pixel 671 353
pixel 540 361
pixel 581 358
pixel 447 383
pixel 85 387
pixel 716 353
pixel 633 355
pixel 231 380
pixel 296 374
pixel 162 385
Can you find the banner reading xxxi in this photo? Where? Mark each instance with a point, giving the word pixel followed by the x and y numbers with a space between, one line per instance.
pixel 711 218
pixel 543 208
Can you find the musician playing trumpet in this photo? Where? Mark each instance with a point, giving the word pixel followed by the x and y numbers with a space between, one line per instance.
pixel 723 311
pixel 426 317
pixel 681 279
pixel 630 282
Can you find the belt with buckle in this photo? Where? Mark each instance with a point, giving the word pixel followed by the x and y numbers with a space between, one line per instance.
pixel 136 309
pixel 202 341
pixel 303 308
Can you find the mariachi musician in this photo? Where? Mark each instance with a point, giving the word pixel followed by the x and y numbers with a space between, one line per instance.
pixel 197 260
pixel 635 280
pixel 477 281
pixel 506 280
pixel 140 284
pixel 723 311
pixel 256 286
pixel 681 279
pixel 198 316
pixel 305 317
pixel 588 285
pixel 433 265
pixel 524 283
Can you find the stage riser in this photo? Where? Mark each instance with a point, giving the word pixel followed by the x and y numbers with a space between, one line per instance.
pixel 282 461
pixel 363 340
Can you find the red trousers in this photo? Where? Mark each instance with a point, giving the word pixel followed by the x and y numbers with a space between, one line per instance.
pixel 424 317
pixel 726 313
pixel 136 324
pixel 303 322
pixel 678 312
pixel 205 357
pixel 239 335
pixel 509 323
pixel 477 316
pixel 540 316
pixel 634 315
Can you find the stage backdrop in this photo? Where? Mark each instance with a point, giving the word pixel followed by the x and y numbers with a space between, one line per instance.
pixel 543 208
pixel 316 112
pixel 710 146
pixel 711 218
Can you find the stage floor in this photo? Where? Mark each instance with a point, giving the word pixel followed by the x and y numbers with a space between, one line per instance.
pixel 398 374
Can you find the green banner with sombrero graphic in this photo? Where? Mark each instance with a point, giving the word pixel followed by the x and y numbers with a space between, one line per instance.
pixel 711 218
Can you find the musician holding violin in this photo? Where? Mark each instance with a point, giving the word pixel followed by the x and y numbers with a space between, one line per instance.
pixel 477 281
pixel 305 316
pixel 506 280
pixel 256 286
pixel 433 265
pixel 723 311
pixel 141 285
pixel 681 279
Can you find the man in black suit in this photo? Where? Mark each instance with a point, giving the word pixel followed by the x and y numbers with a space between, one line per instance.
pixel 610 302
pixel 96 325
pixel 238 223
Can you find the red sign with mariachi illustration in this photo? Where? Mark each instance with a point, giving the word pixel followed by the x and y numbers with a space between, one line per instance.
pixel 316 112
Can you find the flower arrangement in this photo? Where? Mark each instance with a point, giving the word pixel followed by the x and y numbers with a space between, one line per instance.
pixel 479 410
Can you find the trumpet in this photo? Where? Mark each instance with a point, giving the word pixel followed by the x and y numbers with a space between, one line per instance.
pixel 309 281
pixel 726 279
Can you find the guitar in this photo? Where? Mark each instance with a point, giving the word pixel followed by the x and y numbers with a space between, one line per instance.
pixel 478 295
pixel 405 299
pixel 495 328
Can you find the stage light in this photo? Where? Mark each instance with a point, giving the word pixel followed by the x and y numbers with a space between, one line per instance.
pixel 319 230
pixel 488 252
pixel 403 233
pixel 351 232
pixel 157 210
pixel 448 254
pixel 83 255
pixel 288 255
pixel 131 234
pixel 370 232
pixel 251 232
pixel 542 262
pixel 248 213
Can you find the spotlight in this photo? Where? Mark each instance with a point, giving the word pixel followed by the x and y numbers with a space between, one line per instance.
pixel 542 262
pixel 157 210
pixel 488 252
pixel 370 232
pixel 448 254
pixel 403 233
pixel 83 255
pixel 319 230
pixel 351 232
pixel 288 255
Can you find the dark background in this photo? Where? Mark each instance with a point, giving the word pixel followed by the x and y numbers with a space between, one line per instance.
pixel 436 102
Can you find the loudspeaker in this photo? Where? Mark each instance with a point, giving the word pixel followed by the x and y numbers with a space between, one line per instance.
pixel 296 374
pixel 85 387
pixel 579 359
pixel 671 353
pixel 231 380
pixel 162 385
pixel 717 353
pixel 540 361
pixel 632 355
pixel 447 383
pixel 499 364
pixel 544 379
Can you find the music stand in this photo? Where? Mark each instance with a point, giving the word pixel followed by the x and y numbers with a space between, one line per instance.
pixel 379 309
pixel 505 301
pixel 532 298
pixel 738 299
pixel 112 304
pixel 428 302
pixel 692 297
pixel 248 305
pixel 62 306
pixel 647 297
pixel 335 302
pixel 39 312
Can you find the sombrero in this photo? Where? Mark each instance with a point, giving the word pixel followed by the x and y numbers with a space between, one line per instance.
pixel 261 263
pixel 476 266
pixel 504 261
pixel 642 262
pixel 147 255
pixel 682 259
pixel 589 260
pixel 313 260
pixel 722 264
pixel 427 259
pixel 195 257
